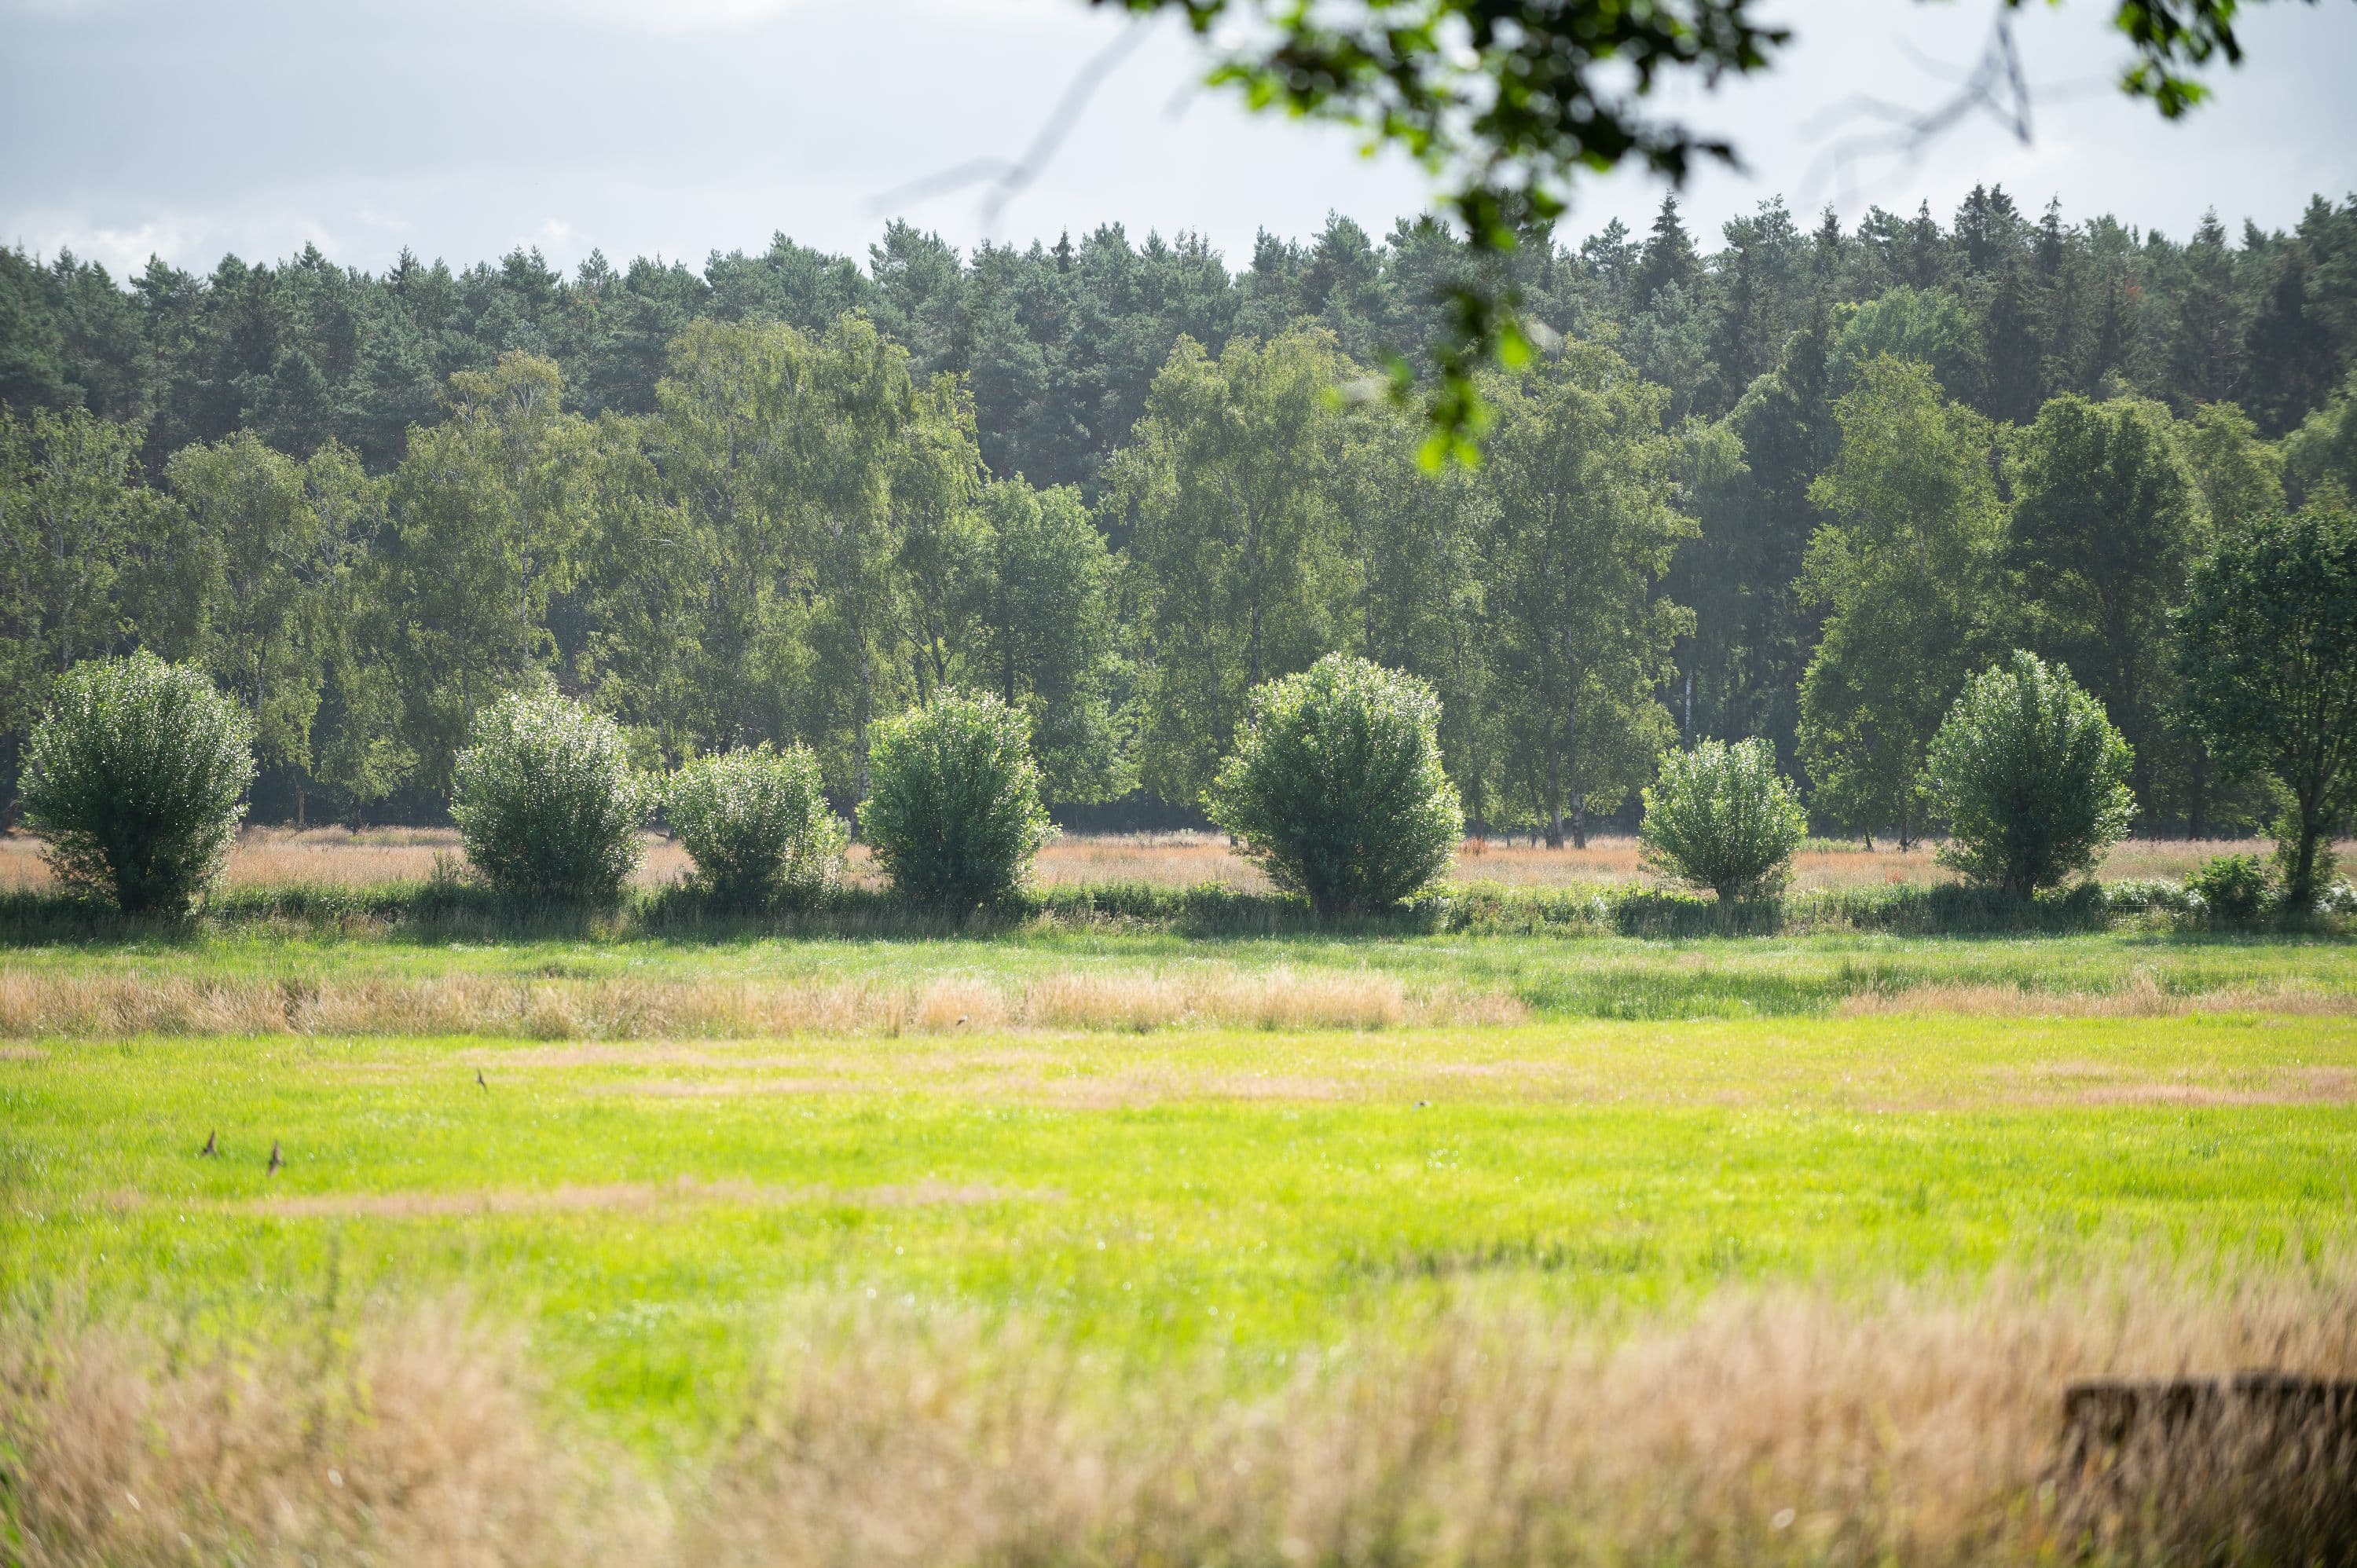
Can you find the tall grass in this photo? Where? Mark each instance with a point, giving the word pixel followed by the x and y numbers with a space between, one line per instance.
pixel 1924 1426
pixel 48 1005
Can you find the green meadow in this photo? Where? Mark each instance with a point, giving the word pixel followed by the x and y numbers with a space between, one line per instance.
pixel 1598 1127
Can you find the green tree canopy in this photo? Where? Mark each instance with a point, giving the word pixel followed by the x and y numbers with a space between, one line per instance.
pixel 1579 532
pixel 1232 540
pixel 2106 516
pixel 1905 569
pixel 273 539
pixel 2266 649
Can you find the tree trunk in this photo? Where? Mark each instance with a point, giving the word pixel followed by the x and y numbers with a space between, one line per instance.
pixel 2299 888
pixel 1579 819
pixel 860 714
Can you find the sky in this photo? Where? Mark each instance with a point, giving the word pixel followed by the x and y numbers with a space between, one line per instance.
pixel 464 128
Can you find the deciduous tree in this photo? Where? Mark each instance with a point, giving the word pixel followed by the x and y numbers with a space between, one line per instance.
pixel 1905 572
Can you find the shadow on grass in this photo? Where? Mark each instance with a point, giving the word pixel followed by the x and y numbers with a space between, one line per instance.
pixel 446 911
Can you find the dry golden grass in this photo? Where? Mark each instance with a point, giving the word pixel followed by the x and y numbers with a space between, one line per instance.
pixel 43 1005
pixel 1782 1427
pixel 281 857
pixel 271 857
pixel 1776 1427
pixel 1166 859
pixel 2141 997
pixel 2068 1083
pixel 417 1439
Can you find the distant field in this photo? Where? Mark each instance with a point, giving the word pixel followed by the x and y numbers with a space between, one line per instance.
pixel 279 857
pixel 917 1252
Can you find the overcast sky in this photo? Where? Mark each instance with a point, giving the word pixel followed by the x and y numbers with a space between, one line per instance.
pixel 462 128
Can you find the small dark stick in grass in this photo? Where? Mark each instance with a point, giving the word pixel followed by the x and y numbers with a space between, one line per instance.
pixel 274 1161
pixel 479 1079
pixel 211 1148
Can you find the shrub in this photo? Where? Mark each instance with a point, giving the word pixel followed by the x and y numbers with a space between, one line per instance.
pixel 1721 817
pixel 134 778
pixel 2030 776
pixel 953 810
pixel 1336 786
pixel 2150 896
pixel 547 801
pixel 2303 855
pixel 2233 886
pixel 757 824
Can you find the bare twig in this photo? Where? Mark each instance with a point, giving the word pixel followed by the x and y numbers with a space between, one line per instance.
pixel 1993 85
pixel 1007 179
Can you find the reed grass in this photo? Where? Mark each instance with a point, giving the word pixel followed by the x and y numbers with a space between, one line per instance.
pixel 1922 1424
pixel 45 1003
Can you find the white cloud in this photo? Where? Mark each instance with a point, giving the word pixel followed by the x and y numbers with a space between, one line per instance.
pixel 141 124
pixel 121 250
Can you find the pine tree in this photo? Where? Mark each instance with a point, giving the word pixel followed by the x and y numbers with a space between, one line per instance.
pixel 2205 351
pixel 2013 373
pixel 2290 362
pixel 1668 261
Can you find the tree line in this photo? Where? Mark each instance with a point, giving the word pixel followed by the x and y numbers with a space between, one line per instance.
pixel 1799 489
pixel 1058 344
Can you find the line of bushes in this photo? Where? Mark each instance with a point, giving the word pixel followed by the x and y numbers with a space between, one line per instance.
pixel 1335 787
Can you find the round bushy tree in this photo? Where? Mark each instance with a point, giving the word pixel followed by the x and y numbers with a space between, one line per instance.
pixel 757 824
pixel 1336 786
pixel 2032 776
pixel 953 810
pixel 547 803
pixel 135 779
pixel 1721 817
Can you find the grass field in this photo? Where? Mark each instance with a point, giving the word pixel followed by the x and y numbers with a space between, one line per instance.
pixel 1092 1247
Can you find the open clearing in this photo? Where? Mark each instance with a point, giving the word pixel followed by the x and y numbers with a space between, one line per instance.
pixel 715 1210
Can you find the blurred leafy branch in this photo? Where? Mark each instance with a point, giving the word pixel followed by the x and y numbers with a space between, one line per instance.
pixel 1506 101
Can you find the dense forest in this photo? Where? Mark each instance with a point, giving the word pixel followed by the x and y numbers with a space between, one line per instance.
pixel 1796 485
